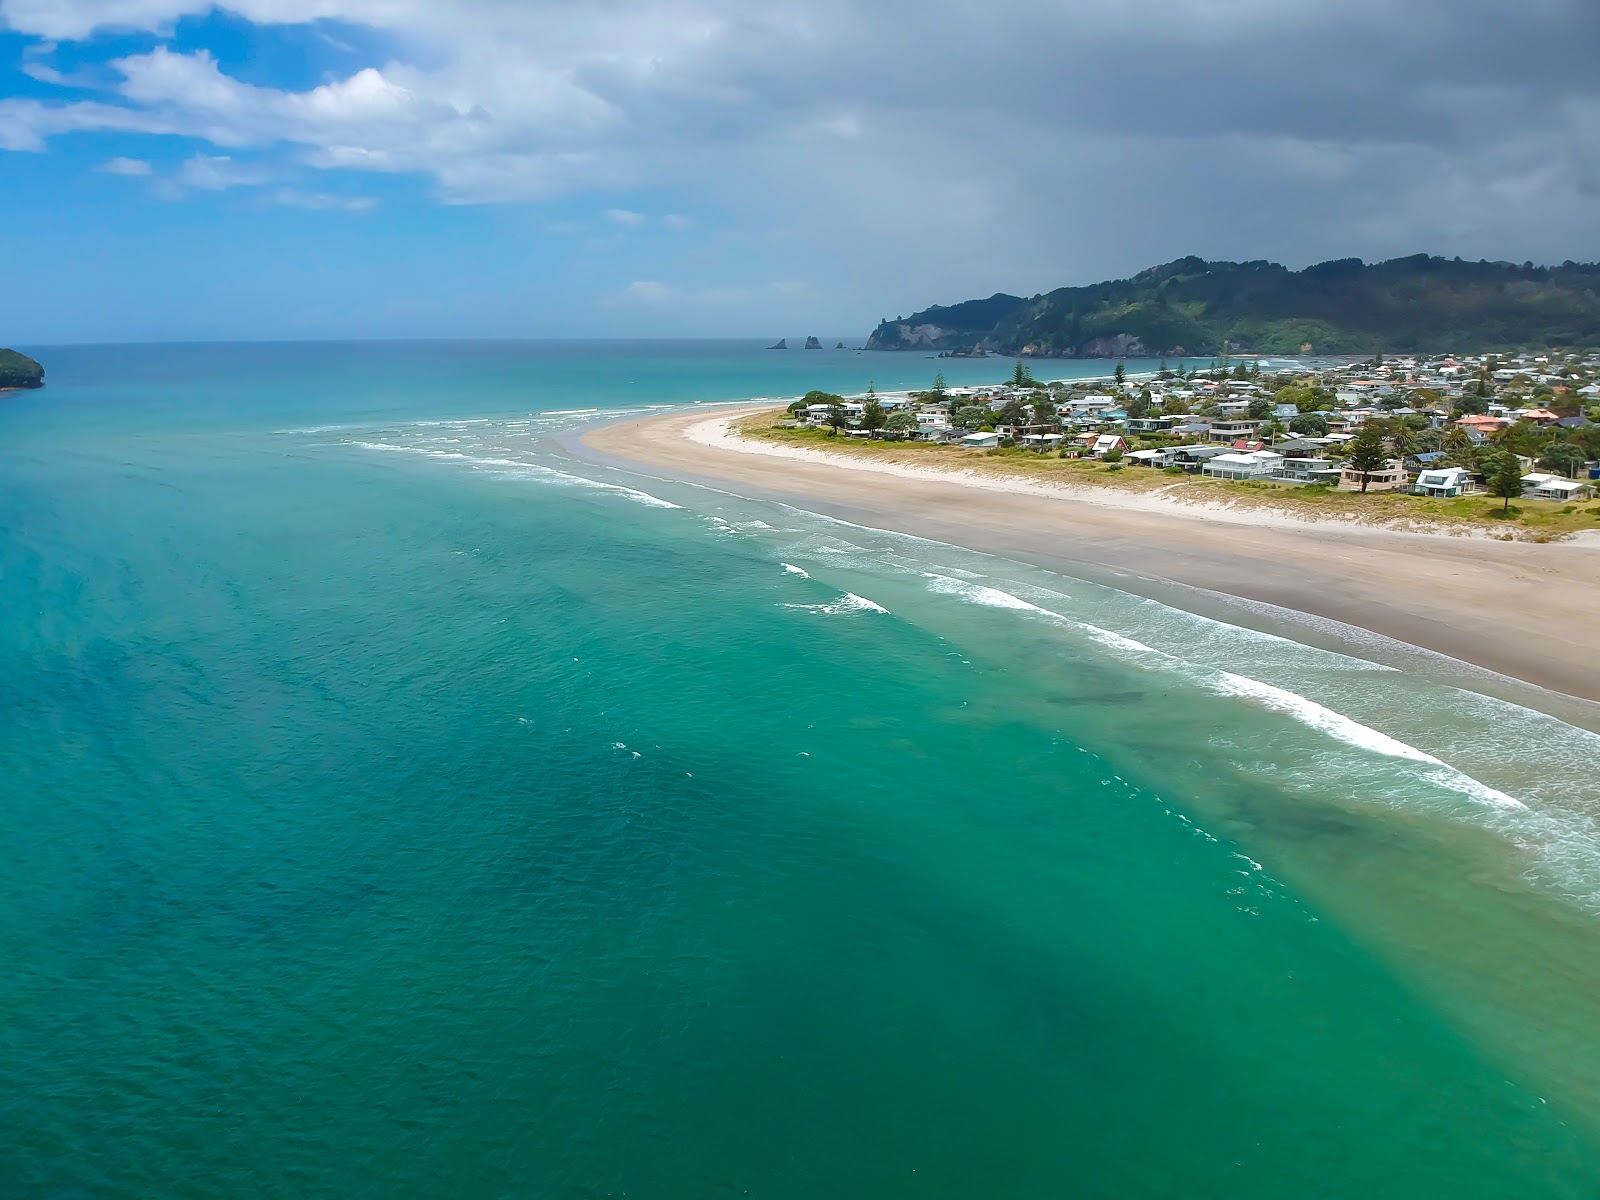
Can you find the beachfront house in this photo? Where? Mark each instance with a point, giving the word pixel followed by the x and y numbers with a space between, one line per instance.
pixel 1555 487
pixel 1247 464
pixel 1150 458
pixel 980 441
pixel 1391 477
pixel 1106 443
pixel 1192 458
pixel 1304 468
pixel 1445 483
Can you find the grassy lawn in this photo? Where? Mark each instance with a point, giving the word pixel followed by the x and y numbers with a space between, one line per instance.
pixel 1535 520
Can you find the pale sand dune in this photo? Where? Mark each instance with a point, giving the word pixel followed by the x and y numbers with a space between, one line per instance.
pixel 1525 610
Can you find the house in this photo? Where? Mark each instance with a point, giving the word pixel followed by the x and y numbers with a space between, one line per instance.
pixel 1307 469
pixel 1555 487
pixel 1445 483
pixel 1232 431
pixel 1150 458
pixel 1190 458
pixel 1251 464
pixel 1150 424
pixel 1391 477
pixel 1106 443
pixel 980 441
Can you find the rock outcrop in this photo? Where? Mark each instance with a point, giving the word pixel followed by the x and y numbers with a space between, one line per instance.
pixel 17 370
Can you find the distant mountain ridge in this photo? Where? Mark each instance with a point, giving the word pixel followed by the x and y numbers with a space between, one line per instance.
pixel 1195 307
pixel 19 371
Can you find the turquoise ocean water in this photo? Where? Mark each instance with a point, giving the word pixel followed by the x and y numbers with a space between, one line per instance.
pixel 399 803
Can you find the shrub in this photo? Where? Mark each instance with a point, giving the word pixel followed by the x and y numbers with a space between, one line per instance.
pixel 1174 471
pixel 1116 466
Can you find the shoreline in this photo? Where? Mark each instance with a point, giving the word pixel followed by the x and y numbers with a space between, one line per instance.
pixel 1521 610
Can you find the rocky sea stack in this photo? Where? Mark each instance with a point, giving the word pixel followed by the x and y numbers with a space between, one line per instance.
pixel 19 371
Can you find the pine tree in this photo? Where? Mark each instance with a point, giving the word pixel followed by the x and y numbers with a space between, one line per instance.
pixel 1121 375
pixel 1367 452
pixel 938 384
pixel 1505 481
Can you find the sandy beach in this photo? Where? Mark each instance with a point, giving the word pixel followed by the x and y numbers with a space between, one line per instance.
pixel 1522 610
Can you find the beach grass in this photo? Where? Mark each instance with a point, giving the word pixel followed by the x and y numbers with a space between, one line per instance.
pixel 1535 520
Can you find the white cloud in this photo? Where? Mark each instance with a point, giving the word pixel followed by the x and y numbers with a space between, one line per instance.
pixel 208 173
pixel 125 166
pixel 324 201
pixel 648 290
pixel 1044 120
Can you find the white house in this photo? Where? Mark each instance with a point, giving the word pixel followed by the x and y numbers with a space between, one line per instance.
pixel 1252 464
pixel 1554 487
pixel 1445 483
pixel 981 441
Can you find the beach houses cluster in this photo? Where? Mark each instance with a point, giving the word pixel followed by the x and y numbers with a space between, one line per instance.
pixel 1285 422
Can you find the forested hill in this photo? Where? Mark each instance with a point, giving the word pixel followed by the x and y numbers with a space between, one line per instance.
pixel 19 371
pixel 1346 306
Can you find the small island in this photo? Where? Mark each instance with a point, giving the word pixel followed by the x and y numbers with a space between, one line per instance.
pixel 813 344
pixel 780 344
pixel 19 371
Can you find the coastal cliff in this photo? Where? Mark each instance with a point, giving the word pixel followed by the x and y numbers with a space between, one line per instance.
pixel 19 371
pixel 1195 307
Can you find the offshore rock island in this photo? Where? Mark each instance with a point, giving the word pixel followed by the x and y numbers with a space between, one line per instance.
pixel 1419 304
pixel 19 371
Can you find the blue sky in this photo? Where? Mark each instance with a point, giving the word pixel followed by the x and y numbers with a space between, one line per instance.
pixel 495 168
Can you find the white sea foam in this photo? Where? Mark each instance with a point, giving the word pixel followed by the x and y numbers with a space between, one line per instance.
pixel 1342 728
pixel 978 593
pixel 523 468
pixel 847 603
pixel 791 569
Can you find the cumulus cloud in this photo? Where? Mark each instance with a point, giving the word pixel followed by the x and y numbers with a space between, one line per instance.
pixel 1047 141
pixel 125 166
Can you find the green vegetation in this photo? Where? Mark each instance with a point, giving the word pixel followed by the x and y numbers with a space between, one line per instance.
pixel 19 371
pixel 1194 307
pixel 1537 520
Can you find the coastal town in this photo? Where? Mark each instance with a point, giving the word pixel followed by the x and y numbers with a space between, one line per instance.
pixel 1515 428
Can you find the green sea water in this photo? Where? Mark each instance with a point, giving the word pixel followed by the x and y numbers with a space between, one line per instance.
pixel 400 802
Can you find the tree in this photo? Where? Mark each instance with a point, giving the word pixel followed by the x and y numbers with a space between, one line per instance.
pixel 1120 375
pixel 837 419
pixel 1402 438
pixel 1564 459
pixel 1021 377
pixel 1113 455
pixel 1013 412
pixel 1367 452
pixel 900 423
pixel 969 416
pixel 1241 372
pixel 1505 479
pixel 1162 372
pixel 938 384
pixel 1139 406
pixel 873 416
pixel 1310 424
pixel 1260 408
